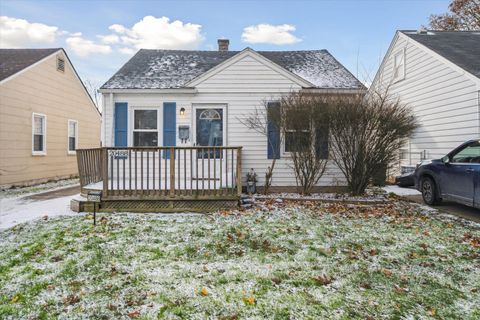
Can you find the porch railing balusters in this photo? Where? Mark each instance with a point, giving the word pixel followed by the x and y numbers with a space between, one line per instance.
pixel 183 168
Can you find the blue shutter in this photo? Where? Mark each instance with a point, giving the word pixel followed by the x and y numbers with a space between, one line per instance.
pixel 273 146
pixel 121 124
pixel 169 125
pixel 321 142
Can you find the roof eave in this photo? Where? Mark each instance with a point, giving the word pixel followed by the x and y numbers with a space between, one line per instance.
pixel 184 90
pixel 335 90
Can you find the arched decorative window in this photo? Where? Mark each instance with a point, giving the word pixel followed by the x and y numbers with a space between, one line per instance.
pixel 210 114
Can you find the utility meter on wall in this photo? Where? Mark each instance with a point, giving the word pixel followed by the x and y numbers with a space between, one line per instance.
pixel 184 133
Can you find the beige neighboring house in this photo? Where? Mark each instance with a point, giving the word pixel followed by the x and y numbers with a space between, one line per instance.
pixel 45 114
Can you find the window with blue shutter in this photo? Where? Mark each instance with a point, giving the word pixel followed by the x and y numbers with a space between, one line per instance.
pixel 273 147
pixel 169 126
pixel 121 124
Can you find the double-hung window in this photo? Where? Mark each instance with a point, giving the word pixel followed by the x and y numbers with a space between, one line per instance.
pixel 303 135
pixel 145 128
pixel 72 136
pixel 297 136
pixel 39 129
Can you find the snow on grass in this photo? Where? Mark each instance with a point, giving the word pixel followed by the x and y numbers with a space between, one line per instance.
pixel 48 186
pixel 19 210
pixel 312 261
pixel 402 191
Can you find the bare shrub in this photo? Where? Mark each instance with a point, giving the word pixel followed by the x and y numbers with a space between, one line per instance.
pixel 366 132
pixel 304 123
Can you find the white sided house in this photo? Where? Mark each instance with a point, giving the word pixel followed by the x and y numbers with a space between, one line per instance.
pixel 197 98
pixel 437 74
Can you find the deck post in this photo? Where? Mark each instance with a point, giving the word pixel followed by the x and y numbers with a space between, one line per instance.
pixel 104 166
pixel 81 171
pixel 172 172
pixel 239 171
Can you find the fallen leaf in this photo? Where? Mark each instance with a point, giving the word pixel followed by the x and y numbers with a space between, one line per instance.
pixel 323 280
pixel 387 272
pixel 365 285
pixel 134 314
pixel 71 299
pixel 249 300
pixel 204 291
pixel 400 289
pixel 15 299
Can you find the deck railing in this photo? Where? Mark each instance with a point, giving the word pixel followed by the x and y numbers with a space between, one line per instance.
pixel 161 172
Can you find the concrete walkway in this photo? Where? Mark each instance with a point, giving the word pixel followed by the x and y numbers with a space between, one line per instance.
pixel 69 191
pixel 16 210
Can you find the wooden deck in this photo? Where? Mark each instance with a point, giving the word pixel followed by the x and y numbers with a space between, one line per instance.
pixel 155 178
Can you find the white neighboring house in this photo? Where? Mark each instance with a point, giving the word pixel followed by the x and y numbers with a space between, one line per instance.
pixel 159 96
pixel 437 73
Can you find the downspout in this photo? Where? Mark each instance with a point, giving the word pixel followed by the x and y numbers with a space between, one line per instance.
pixel 478 107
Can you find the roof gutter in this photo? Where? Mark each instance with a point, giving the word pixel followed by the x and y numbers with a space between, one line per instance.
pixel 170 90
pixel 335 90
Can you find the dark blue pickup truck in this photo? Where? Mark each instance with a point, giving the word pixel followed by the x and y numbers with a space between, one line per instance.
pixel 455 177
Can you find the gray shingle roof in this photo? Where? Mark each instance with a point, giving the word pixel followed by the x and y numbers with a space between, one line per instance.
pixel 460 47
pixel 15 60
pixel 161 69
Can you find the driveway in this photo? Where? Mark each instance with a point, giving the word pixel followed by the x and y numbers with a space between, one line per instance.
pixel 16 210
pixel 456 209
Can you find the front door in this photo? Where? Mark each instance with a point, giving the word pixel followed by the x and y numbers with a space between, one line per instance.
pixel 458 176
pixel 209 132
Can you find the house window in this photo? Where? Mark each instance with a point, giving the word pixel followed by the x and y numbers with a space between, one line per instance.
pixel 39 124
pixel 145 128
pixel 297 140
pixel 297 134
pixel 399 65
pixel 72 135
pixel 60 64
pixel 307 136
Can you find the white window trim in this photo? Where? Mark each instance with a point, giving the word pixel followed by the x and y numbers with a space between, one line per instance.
pixel 44 151
pixel 401 52
pixel 70 152
pixel 131 125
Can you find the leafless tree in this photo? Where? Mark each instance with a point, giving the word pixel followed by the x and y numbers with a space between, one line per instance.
pixel 464 15
pixel 304 124
pixel 265 115
pixel 366 132
pixel 92 88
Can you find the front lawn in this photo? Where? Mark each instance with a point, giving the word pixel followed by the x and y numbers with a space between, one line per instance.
pixel 293 261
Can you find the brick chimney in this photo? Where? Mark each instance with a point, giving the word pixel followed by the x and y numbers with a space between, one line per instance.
pixel 223 44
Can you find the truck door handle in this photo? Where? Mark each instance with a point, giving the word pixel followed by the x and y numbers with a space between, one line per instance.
pixel 469 170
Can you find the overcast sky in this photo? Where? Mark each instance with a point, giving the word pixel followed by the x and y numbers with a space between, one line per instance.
pixel 100 36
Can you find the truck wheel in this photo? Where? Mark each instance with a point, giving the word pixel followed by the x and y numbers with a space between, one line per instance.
pixel 429 191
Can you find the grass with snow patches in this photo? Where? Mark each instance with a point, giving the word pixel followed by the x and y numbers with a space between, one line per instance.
pixel 293 262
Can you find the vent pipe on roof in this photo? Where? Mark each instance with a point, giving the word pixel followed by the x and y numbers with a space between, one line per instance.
pixel 223 44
